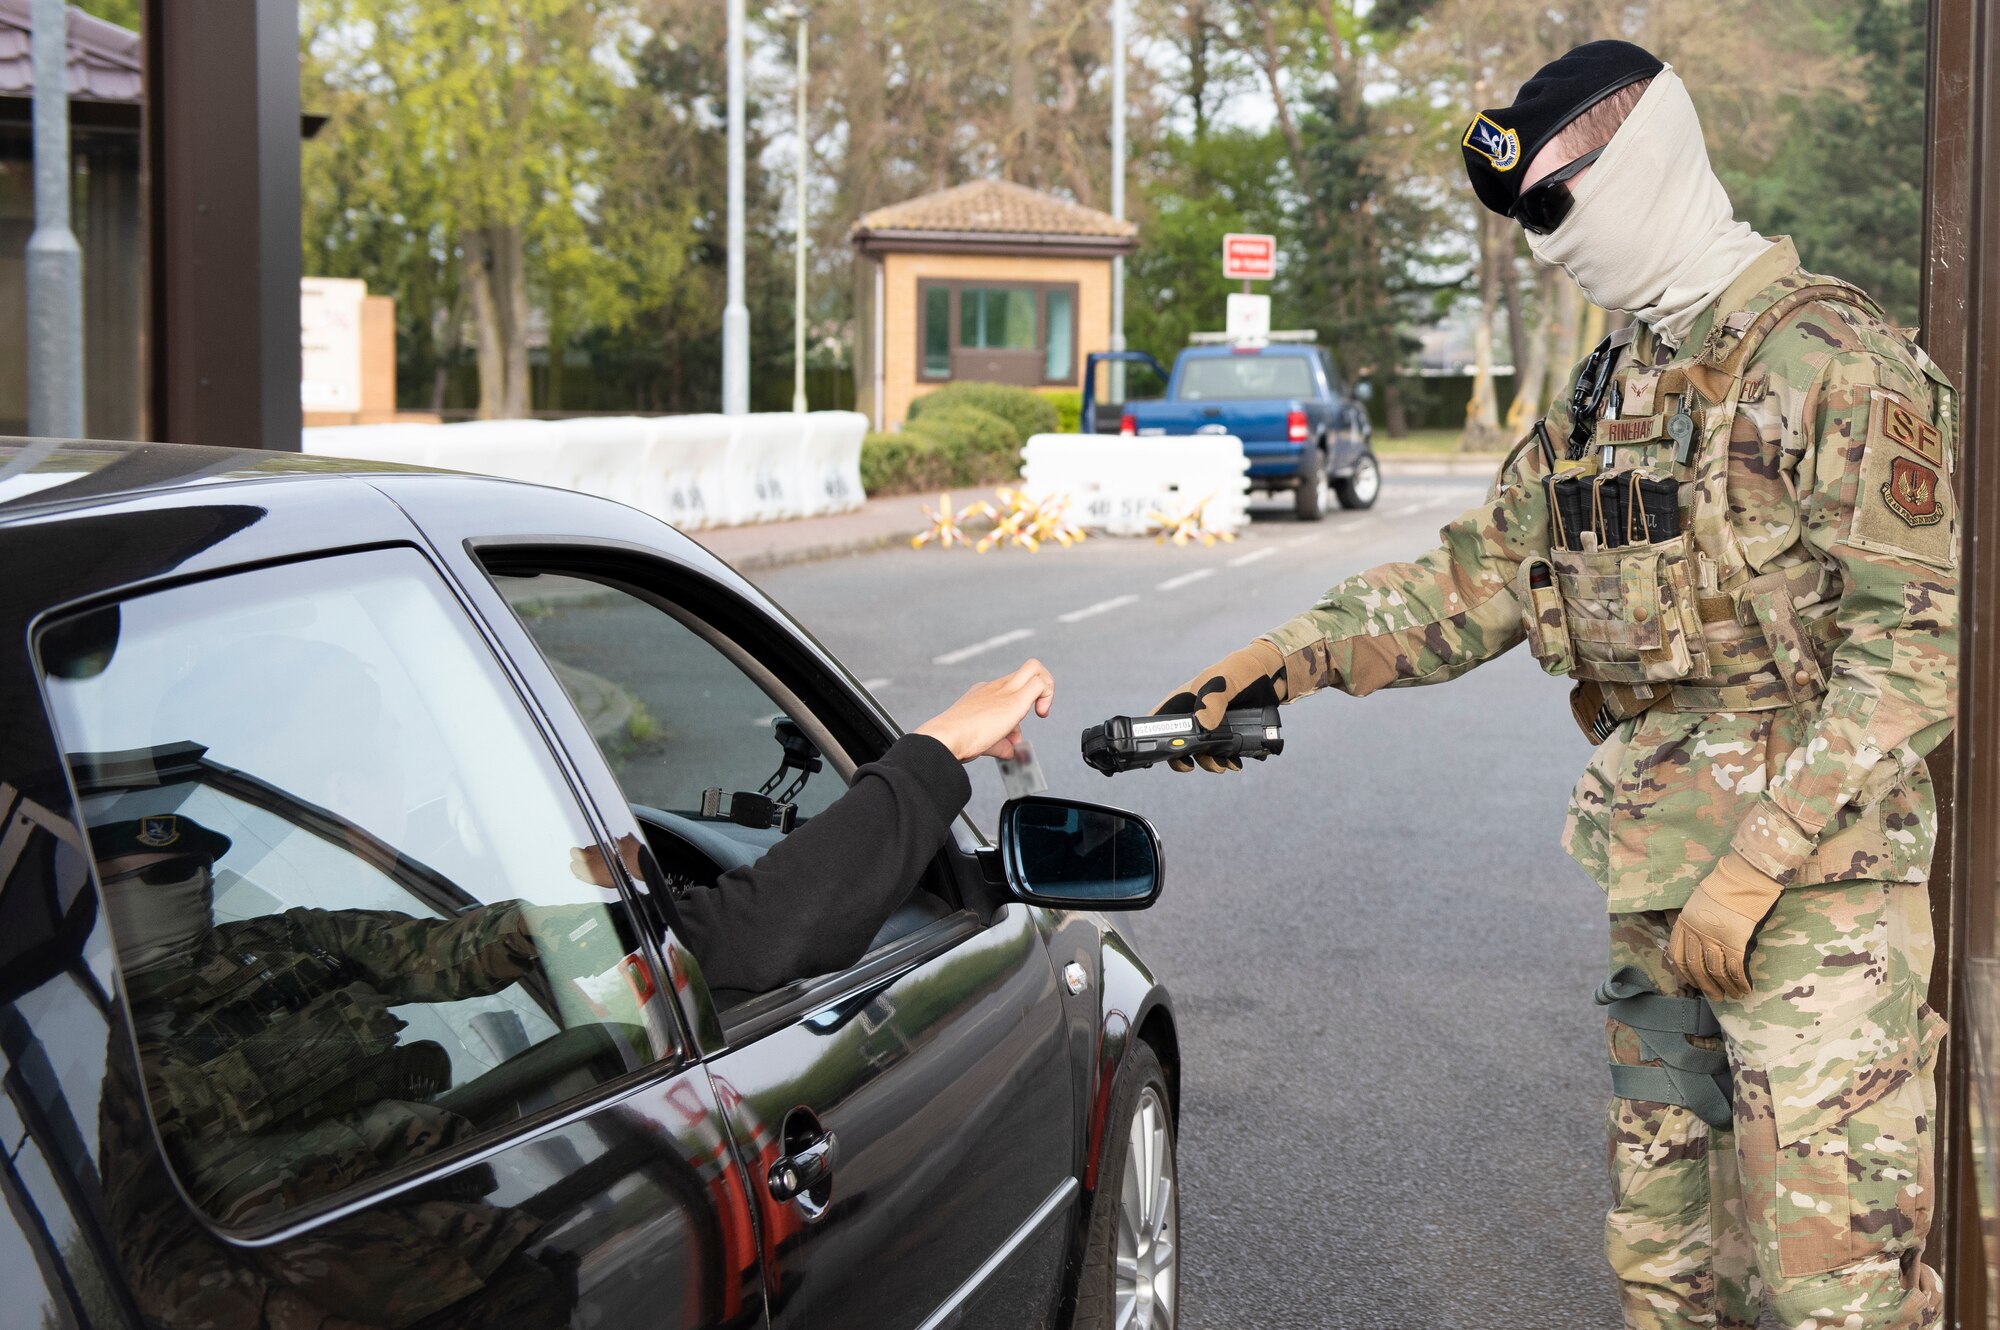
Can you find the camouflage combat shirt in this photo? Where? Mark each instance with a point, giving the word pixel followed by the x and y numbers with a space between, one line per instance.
pixel 1831 790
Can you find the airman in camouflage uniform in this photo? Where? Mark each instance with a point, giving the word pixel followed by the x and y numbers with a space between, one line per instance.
pixel 1764 669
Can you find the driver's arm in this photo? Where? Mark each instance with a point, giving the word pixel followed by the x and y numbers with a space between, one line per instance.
pixel 816 899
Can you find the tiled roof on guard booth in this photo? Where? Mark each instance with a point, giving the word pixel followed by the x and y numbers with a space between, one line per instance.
pixel 994 207
pixel 103 57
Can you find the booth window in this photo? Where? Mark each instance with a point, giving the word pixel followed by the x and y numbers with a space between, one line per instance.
pixel 1022 333
pixel 1058 362
pixel 937 332
pixel 996 318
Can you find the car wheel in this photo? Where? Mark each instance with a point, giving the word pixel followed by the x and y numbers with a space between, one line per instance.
pixel 1313 494
pixel 1131 1269
pixel 1360 489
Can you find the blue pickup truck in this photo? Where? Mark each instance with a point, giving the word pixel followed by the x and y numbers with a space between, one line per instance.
pixel 1303 429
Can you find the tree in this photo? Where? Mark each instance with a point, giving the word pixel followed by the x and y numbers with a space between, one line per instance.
pixel 1194 193
pixel 482 124
pixel 1363 241
pixel 1847 179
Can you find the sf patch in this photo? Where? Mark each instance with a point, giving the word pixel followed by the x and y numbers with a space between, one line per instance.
pixel 1896 422
pixel 1501 147
pixel 1903 506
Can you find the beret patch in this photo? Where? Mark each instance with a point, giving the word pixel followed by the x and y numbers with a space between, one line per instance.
pixel 1501 147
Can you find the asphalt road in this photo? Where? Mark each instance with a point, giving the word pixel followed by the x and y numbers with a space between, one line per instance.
pixel 1394 1076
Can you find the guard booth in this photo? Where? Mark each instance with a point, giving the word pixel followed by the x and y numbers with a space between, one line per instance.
pixel 990 281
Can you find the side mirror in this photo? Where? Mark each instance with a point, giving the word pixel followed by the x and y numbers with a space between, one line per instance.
pixel 1364 391
pixel 1078 856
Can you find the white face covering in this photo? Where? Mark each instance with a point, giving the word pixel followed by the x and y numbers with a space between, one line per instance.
pixel 157 923
pixel 1652 231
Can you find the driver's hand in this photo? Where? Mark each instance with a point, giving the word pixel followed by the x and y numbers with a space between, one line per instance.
pixel 1249 676
pixel 987 720
pixel 587 863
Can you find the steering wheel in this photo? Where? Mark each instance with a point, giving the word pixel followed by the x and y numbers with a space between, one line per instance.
pixel 691 853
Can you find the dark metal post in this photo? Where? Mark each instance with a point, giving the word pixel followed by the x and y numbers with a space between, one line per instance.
pixel 54 261
pixel 1961 329
pixel 222 165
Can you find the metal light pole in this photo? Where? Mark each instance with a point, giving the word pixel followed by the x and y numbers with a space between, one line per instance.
pixel 54 261
pixel 735 314
pixel 799 243
pixel 1116 387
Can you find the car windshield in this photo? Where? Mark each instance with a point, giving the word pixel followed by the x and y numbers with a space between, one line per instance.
pixel 1243 377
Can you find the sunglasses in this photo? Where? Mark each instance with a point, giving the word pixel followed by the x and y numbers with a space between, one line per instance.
pixel 162 874
pixel 1543 205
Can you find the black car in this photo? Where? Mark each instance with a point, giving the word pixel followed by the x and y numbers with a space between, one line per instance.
pixel 278 730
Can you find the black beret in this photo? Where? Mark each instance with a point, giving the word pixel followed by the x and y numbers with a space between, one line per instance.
pixel 158 833
pixel 1499 144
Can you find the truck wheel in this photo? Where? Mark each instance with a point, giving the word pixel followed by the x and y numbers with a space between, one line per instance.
pixel 1312 496
pixel 1359 490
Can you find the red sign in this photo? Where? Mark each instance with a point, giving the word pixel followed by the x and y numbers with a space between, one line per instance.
pixel 1252 258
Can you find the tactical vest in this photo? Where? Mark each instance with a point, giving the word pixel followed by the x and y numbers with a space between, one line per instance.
pixel 1646 598
pixel 250 1042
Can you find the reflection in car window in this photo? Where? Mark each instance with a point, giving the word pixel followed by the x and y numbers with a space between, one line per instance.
pixel 675 718
pixel 358 915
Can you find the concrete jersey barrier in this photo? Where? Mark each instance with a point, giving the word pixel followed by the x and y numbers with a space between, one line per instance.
pixel 1124 486
pixel 692 471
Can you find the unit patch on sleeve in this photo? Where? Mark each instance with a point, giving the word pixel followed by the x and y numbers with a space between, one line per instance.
pixel 1903 506
pixel 1911 492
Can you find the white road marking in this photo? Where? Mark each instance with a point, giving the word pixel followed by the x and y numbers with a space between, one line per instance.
pixel 1185 579
pixel 1253 556
pixel 1404 511
pixel 1306 539
pixel 967 653
pixel 1101 607
pixel 876 685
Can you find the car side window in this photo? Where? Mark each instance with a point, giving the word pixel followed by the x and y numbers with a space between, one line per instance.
pixel 359 915
pixel 704 752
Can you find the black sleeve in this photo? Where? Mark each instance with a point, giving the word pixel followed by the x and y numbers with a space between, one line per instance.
pixel 816 899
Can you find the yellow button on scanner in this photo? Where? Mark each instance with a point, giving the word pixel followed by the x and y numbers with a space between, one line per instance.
pixel 1178 743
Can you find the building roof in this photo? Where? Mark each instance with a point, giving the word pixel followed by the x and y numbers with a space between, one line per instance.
pixel 993 215
pixel 103 57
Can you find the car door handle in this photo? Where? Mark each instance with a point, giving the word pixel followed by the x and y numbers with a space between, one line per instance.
pixel 798 1173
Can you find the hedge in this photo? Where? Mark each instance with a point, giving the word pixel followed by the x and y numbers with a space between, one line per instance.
pixel 1026 410
pixel 950 447
pixel 1068 403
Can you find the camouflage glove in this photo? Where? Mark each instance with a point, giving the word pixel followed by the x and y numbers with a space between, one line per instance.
pixel 1250 677
pixel 1711 939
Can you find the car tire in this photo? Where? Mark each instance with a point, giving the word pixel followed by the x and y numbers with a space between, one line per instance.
pixel 1134 1217
pixel 1361 488
pixel 1310 498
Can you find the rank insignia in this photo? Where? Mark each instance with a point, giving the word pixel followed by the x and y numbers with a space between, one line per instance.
pixel 157 833
pixel 1502 147
pixel 1912 493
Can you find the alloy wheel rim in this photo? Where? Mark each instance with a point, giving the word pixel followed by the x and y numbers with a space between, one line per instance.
pixel 1367 480
pixel 1146 1277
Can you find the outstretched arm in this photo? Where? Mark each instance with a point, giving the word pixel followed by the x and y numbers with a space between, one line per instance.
pixel 816 899
pixel 1399 624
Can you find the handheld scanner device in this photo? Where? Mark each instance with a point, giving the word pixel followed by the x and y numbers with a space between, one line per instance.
pixel 1126 743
